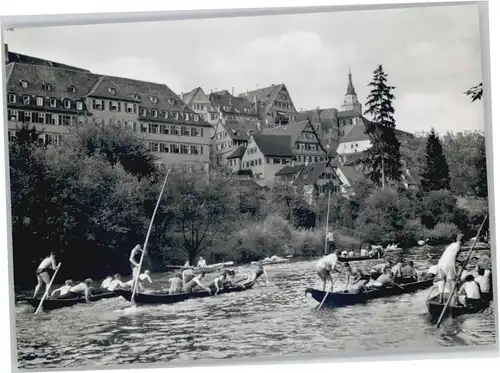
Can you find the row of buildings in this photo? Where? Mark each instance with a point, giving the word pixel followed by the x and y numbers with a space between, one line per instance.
pixel 258 133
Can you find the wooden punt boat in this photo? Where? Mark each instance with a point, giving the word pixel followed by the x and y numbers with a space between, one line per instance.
pixel 434 307
pixel 356 258
pixel 50 304
pixel 271 262
pixel 162 298
pixel 341 299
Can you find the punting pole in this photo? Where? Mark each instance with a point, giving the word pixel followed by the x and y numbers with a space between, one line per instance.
pixel 46 294
pixel 327 218
pixel 136 278
pixel 326 293
pixel 460 273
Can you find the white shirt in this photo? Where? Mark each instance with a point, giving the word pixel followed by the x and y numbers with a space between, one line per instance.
pixel 484 283
pixel 80 288
pixel 114 284
pixel 364 252
pixel 107 281
pixel 328 262
pixel 433 270
pixel 450 255
pixel 202 263
pixel 47 263
pixel 472 290
pixel 329 237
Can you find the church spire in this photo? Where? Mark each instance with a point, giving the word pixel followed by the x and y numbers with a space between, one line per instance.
pixel 350 86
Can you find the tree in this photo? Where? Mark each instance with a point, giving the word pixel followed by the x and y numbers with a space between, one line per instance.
pixel 203 209
pixel 436 173
pixel 482 177
pixel 475 92
pixel 383 158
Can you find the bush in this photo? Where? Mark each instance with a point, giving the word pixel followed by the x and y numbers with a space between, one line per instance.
pixel 413 232
pixel 442 232
pixel 307 242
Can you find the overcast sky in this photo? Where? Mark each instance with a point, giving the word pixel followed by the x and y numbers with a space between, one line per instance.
pixel 432 55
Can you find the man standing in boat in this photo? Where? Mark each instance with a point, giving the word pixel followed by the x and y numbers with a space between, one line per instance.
pixel 330 241
pixel 42 272
pixel 446 267
pixel 325 268
pixel 135 258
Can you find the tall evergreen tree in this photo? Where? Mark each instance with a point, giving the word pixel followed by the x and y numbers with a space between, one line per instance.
pixel 436 173
pixel 383 158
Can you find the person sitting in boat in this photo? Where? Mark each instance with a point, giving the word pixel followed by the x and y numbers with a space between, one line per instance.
pixel 431 273
pixel 63 290
pixel 325 268
pixel 175 285
pixel 222 281
pixel 396 269
pixel 254 275
pixel 408 273
pixel 352 254
pixel 77 291
pixel 42 273
pixel 383 280
pixel 359 279
pixel 116 283
pixel 202 263
pixel 187 264
pixel 484 283
pixel 140 281
pixel 344 254
pixel 470 292
pixel 380 269
pixel 446 265
pixel 187 275
pixel 134 259
pixel 107 281
pixel 363 251
pixel 194 284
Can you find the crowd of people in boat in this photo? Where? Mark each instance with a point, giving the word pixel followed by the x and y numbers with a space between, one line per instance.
pixel 475 285
pixel 191 279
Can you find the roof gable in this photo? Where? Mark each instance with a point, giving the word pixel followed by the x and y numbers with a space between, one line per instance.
pixel 292 129
pixel 267 96
pixel 273 145
pixel 240 129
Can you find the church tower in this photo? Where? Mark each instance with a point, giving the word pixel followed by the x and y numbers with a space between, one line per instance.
pixel 351 102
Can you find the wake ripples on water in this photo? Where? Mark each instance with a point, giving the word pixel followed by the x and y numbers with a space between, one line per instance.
pixel 272 320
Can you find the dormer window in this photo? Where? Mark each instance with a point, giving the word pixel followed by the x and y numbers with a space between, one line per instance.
pixel 79 105
pixel 165 114
pixel 196 118
pixel 72 89
pixel 67 104
pixel 176 115
pixel 186 116
pixel 47 87
pixel 26 100
pixel 112 91
pixel 143 112
pixel 170 101
pixel 154 113
pixel 12 98
pixel 135 96
pixel 23 83
pixel 154 99
pixel 39 101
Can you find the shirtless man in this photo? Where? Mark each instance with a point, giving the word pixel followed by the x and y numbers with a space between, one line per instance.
pixel 175 285
pixel 202 263
pixel 409 273
pixel 116 283
pixel 134 259
pixel 195 282
pixel 470 292
pixel 83 288
pixel 325 268
pixel 222 281
pixel 107 281
pixel 63 290
pixel 254 275
pixel 42 273
pixel 446 265
pixel 359 278
pixel 142 277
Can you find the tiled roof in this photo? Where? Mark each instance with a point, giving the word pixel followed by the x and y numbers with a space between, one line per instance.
pixel 266 96
pixel 188 97
pixel 290 170
pixel 293 129
pixel 348 114
pixel 238 129
pixel 310 173
pixel 238 153
pixel 238 105
pixel 349 159
pixel 357 133
pixel 351 174
pixel 59 79
pixel 29 60
pixel 328 117
pixel 274 145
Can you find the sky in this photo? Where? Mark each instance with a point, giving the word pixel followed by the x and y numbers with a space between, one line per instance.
pixel 431 55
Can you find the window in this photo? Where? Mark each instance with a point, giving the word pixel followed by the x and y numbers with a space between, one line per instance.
pixel 67 104
pixel 155 146
pixel 41 118
pixel 130 108
pixel 12 98
pixel 260 161
pixel 165 129
pixel 27 116
pixel 54 119
pixel 79 105
pixel 177 130
pixel 165 114
pixel 195 149
pixel 47 87
pixel 184 149
pixel 144 127
pixel 154 128
pixel 66 120
pixel 72 89
pixel 26 100
pixel 143 112
pixel 164 148
pixel 112 91
pixel 13 115
pixel 154 99
pixel 154 113
pixel 135 96
pixel 39 101
pixel 23 83
pixel 130 125
pixel 114 106
pixel 186 116
pixel 175 148
pixel 176 115
pixel 185 131
pixel 196 118
pixel 213 116
pixel 98 104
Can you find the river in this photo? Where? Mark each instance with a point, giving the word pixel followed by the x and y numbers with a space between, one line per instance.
pixel 273 320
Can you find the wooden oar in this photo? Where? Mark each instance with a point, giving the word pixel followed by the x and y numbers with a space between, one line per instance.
pixel 136 278
pixel 46 294
pixel 460 273
pixel 326 293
